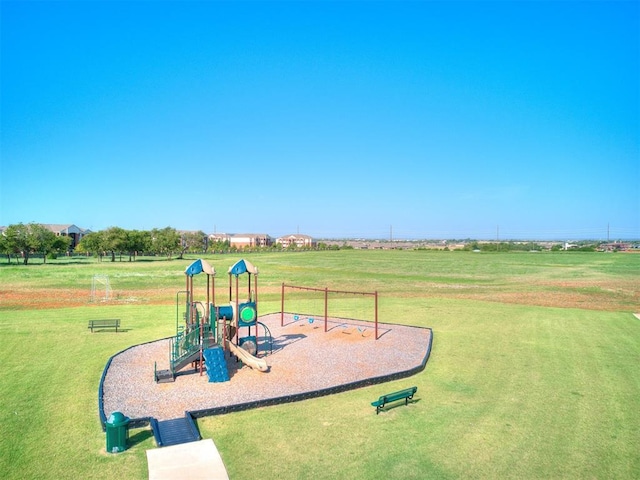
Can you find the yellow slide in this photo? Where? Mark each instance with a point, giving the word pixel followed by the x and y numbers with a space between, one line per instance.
pixel 248 359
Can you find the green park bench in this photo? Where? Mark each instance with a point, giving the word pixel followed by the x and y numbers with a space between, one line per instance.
pixel 406 394
pixel 106 323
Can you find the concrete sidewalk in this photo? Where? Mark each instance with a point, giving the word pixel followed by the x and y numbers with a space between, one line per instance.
pixel 193 460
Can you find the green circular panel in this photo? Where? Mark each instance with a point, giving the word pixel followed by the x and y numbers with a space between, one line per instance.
pixel 248 314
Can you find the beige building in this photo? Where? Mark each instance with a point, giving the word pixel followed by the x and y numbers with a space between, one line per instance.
pixel 219 237
pixel 76 233
pixel 298 240
pixel 242 240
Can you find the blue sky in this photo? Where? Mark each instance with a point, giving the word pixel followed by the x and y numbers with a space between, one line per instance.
pixel 334 119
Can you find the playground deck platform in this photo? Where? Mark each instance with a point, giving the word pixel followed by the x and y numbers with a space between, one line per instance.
pixel 305 362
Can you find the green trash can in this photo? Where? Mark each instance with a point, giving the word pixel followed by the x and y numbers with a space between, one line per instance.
pixel 117 427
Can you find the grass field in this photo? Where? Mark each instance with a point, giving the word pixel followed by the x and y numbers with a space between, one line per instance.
pixel 533 373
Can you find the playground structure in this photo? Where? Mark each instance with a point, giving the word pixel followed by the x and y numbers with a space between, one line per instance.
pixel 307 363
pixel 206 332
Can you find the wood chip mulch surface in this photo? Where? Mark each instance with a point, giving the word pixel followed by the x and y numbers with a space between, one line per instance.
pixel 304 359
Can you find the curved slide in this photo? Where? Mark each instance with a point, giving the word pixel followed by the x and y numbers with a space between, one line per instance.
pixel 248 359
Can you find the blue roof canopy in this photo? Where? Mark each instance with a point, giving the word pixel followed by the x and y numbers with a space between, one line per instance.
pixel 243 266
pixel 200 266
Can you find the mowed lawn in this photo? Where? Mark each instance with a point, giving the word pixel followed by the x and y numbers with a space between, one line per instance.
pixel 533 373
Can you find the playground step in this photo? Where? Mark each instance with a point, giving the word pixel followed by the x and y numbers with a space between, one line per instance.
pixel 180 363
pixel 175 431
pixel 164 376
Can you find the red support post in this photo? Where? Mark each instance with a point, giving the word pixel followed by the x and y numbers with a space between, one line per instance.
pixel 376 313
pixel 187 317
pixel 237 312
pixel 255 283
pixel 282 307
pixel 326 307
pixel 208 309
pixel 190 318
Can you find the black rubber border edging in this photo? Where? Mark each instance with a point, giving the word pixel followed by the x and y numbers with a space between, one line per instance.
pixel 318 393
pixel 207 412
pixel 134 423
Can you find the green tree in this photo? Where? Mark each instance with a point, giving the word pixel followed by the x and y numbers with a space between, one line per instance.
pixel 25 240
pixel 92 243
pixel 194 242
pixel 4 247
pixel 115 241
pixel 276 247
pixel 137 242
pixel 47 242
pixel 165 241
pixel 18 241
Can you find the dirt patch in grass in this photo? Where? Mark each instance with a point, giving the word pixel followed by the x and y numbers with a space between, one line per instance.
pixel 42 298
pixel 30 299
pixel 562 300
pixel 606 295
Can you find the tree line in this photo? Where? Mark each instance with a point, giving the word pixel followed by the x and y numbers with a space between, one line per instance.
pixel 23 241
pixel 116 242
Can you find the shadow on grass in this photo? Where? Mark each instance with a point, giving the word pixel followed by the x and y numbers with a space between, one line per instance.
pixel 398 404
pixel 140 437
pixel 106 330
